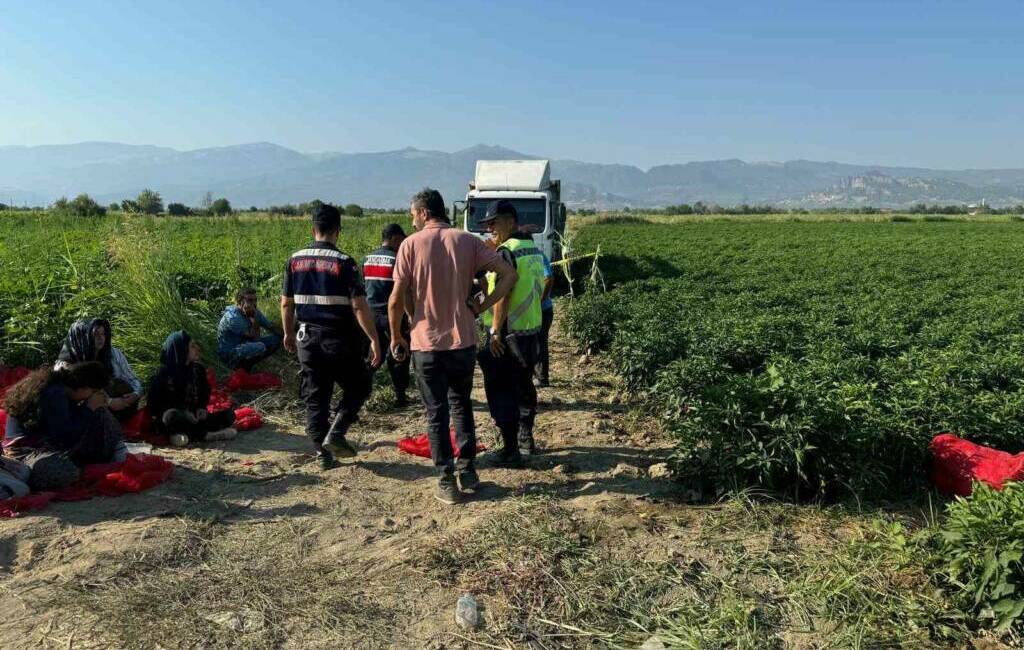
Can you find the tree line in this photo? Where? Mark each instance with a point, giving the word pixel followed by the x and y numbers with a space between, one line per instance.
pixel 149 202
pixel 700 208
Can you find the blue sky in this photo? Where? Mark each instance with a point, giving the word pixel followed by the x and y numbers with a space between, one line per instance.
pixel 904 83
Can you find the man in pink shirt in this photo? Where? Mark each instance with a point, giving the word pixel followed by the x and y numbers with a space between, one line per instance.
pixel 434 273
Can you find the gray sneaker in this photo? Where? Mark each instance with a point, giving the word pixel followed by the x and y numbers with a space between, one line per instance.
pixel 447 490
pixel 468 479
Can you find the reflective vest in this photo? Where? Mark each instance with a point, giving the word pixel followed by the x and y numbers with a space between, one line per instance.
pixel 524 314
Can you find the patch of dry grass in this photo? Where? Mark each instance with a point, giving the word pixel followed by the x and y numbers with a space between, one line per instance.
pixel 745 574
pixel 254 585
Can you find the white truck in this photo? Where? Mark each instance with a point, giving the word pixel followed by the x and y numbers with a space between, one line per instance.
pixel 528 185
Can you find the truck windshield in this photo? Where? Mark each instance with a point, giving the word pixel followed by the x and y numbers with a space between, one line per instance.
pixel 532 217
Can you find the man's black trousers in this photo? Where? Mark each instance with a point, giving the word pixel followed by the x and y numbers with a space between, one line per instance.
pixel 445 380
pixel 508 383
pixel 327 358
pixel 399 370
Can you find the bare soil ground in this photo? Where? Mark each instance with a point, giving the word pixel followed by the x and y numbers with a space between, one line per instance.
pixel 250 545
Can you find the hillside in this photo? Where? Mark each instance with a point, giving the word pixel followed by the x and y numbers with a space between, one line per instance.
pixel 264 174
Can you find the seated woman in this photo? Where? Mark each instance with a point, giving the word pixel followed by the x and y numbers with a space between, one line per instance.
pixel 179 395
pixel 239 340
pixel 90 341
pixel 58 422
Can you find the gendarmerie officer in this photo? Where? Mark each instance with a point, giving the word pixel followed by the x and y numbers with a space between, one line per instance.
pixel 378 274
pixel 327 321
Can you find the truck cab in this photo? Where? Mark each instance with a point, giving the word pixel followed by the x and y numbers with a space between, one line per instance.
pixel 528 185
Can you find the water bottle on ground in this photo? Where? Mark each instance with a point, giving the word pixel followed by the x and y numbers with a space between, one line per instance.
pixel 467 612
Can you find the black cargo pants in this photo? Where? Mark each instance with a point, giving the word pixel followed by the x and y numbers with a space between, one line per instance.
pixel 399 370
pixel 326 358
pixel 508 384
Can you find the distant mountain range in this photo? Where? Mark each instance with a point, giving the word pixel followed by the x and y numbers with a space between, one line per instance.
pixel 266 174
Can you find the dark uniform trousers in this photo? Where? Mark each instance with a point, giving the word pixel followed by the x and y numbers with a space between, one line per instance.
pixel 326 358
pixel 399 370
pixel 508 384
pixel 547 317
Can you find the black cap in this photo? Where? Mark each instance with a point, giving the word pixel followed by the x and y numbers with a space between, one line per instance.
pixel 326 218
pixel 499 207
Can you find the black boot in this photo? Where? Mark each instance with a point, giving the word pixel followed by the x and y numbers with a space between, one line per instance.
pixel 526 445
pixel 335 441
pixel 508 455
pixel 326 460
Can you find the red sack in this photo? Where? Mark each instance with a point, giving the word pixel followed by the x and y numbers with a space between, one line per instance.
pixel 244 380
pixel 3 423
pixel 11 376
pixel 219 398
pixel 957 463
pixel 219 401
pixel 137 473
pixel 138 426
pixel 247 419
pixel 420 445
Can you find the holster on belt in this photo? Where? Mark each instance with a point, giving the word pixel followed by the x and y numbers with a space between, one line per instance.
pixel 513 346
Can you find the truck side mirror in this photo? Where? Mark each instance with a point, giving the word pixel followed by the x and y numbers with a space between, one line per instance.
pixel 457 207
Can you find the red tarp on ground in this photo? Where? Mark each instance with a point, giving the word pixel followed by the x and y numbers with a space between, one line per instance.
pixel 420 445
pixel 243 380
pixel 138 473
pixel 957 463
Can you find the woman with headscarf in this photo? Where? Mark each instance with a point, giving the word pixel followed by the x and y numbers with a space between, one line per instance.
pixel 91 341
pixel 58 422
pixel 179 395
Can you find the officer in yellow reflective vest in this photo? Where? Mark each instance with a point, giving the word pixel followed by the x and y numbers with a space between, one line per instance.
pixel 512 346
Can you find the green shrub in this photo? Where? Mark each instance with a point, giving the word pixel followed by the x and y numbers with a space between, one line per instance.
pixel 149 202
pixel 220 207
pixel 178 210
pixel 84 205
pixel 981 550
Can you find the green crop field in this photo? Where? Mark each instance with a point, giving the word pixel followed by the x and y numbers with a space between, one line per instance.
pixel 813 358
pixel 816 360
pixel 808 360
pixel 148 275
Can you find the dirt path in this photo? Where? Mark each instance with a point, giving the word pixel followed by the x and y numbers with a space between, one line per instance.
pixel 250 546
